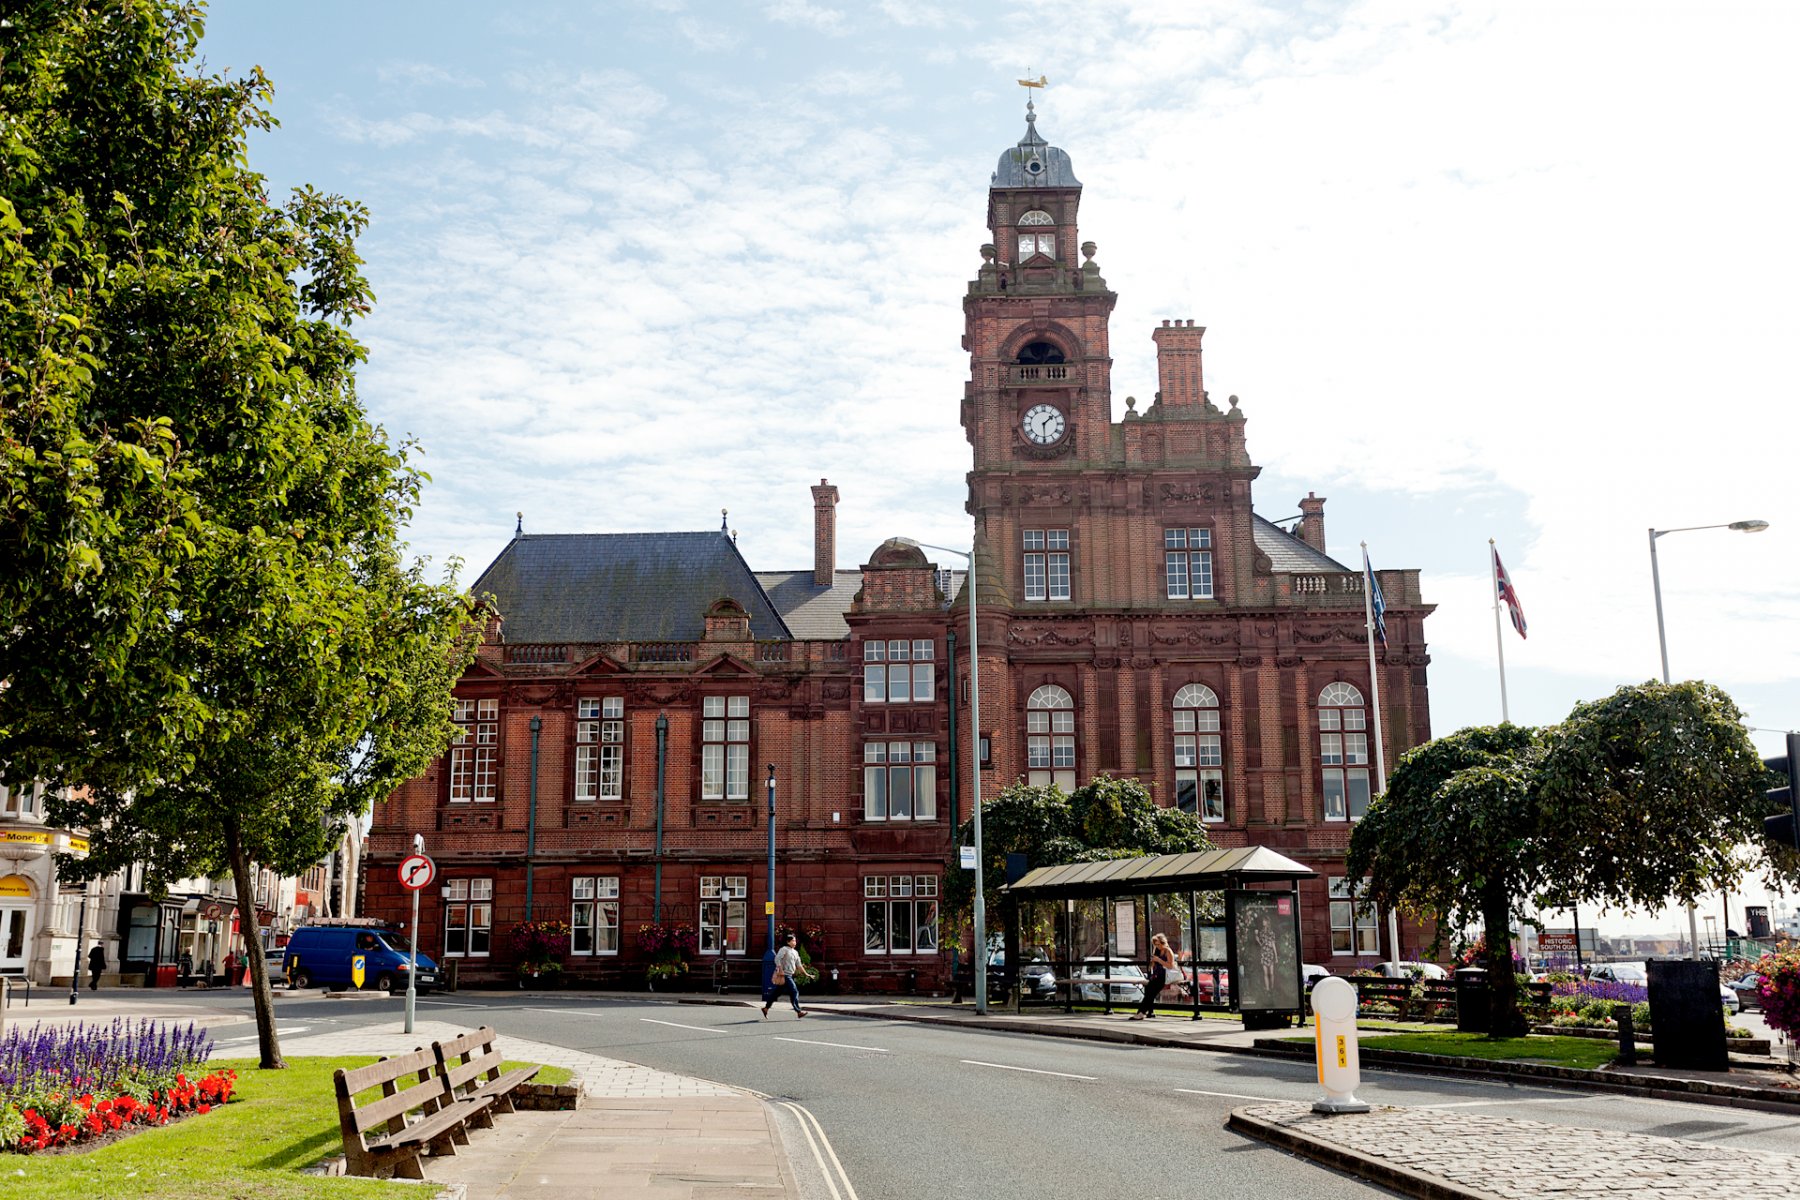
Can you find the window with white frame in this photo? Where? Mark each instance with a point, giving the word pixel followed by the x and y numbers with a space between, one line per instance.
pixel 1354 927
pixel 900 914
pixel 1343 752
pixel 1050 738
pixel 474 753
pixel 468 918
pixel 724 915
pixel 899 781
pixel 1199 774
pixel 725 748
pixel 594 915
pixel 1046 564
pixel 600 748
pixel 1031 244
pixel 1187 563
pixel 898 670
pixel 22 800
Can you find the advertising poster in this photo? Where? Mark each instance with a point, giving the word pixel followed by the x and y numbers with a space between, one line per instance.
pixel 1267 928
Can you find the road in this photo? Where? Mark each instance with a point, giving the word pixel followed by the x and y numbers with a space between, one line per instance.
pixel 917 1110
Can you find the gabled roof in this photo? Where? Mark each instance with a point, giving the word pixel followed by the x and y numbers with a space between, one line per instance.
pixel 621 587
pixel 812 612
pixel 1205 870
pixel 1288 553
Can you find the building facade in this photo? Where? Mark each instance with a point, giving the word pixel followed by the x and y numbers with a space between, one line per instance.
pixel 1136 617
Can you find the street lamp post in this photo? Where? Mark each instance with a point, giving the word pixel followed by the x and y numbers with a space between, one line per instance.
pixel 1662 645
pixel 771 907
pixel 980 964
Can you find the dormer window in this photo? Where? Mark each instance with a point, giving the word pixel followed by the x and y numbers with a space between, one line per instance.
pixel 1034 235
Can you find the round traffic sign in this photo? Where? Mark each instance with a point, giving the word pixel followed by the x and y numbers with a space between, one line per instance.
pixel 417 871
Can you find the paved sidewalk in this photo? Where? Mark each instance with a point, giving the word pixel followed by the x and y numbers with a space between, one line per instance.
pixel 1497 1158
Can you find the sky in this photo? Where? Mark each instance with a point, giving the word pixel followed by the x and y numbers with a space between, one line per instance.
pixel 1508 270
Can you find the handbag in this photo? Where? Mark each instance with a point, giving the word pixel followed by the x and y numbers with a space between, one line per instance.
pixel 778 978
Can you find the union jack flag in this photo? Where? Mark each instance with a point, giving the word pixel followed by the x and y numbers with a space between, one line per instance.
pixel 1507 594
pixel 1377 606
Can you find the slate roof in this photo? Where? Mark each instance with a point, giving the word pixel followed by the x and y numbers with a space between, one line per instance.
pixel 818 613
pixel 1034 162
pixel 621 587
pixel 1288 553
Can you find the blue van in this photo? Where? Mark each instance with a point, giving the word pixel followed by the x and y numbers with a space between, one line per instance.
pixel 322 954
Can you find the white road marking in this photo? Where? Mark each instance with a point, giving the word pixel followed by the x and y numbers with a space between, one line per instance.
pixel 1228 1095
pixel 673 1025
pixel 815 1139
pixel 839 1045
pixel 251 1037
pixel 1029 1070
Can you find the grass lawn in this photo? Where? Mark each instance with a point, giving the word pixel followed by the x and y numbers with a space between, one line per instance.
pixel 1582 1053
pixel 252 1149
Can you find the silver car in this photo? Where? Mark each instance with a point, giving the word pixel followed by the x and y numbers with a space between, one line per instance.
pixel 1126 981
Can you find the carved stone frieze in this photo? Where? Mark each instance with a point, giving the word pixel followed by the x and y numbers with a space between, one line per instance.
pixel 667 693
pixel 1288 660
pixel 1192 635
pixel 1250 660
pixel 1036 493
pixel 540 695
pixel 1337 633
pixel 1045 453
pixel 1186 492
pixel 1035 634
pixel 837 689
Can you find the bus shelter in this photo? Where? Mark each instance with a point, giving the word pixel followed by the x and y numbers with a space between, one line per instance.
pixel 1233 917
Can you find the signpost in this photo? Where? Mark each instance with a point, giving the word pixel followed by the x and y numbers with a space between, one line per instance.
pixel 416 873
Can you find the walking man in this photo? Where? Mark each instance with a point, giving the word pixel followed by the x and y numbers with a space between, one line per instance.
pixel 787 974
pixel 96 966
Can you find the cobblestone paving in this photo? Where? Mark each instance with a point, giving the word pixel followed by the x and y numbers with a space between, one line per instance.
pixel 601 1078
pixel 1461 1150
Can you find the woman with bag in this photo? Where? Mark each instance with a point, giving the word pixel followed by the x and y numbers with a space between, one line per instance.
pixel 786 974
pixel 1162 966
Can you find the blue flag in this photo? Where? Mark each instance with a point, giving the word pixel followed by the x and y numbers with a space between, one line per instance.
pixel 1377 605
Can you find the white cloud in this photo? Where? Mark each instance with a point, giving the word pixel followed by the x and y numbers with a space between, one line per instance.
pixel 808 15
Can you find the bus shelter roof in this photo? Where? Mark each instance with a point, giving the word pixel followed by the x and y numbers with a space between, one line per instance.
pixel 1205 871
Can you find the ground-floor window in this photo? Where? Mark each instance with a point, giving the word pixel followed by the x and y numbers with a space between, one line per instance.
pixel 1354 927
pixel 468 918
pixel 594 915
pixel 724 917
pixel 900 914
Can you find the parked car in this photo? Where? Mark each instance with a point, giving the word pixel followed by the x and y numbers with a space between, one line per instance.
pixel 1413 970
pixel 1187 977
pixel 1639 974
pixel 1037 977
pixel 1126 981
pixel 1311 973
pixel 1746 990
pixel 324 954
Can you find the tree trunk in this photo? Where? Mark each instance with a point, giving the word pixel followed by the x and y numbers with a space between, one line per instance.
pixel 254 961
pixel 1504 1018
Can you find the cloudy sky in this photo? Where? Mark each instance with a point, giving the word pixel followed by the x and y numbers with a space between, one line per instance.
pixel 1513 270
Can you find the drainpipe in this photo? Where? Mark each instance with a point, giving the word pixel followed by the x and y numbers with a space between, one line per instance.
pixel 662 762
pixel 537 725
pixel 955 813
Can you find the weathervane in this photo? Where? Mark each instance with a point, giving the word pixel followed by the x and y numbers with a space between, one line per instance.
pixel 1040 81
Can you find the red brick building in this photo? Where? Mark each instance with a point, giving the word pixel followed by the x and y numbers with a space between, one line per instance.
pixel 1137 617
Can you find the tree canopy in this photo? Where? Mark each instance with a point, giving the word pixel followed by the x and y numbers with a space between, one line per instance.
pixel 1651 793
pixel 208 632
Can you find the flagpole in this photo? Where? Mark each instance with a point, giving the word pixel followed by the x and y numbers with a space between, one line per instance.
pixel 1499 642
pixel 1393 921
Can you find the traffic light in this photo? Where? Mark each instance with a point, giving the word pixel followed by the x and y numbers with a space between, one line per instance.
pixel 1785 828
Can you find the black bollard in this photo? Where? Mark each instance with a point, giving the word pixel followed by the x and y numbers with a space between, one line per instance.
pixel 1627 1040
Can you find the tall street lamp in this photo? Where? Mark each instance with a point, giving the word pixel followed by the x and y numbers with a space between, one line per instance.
pixel 1662 644
pixel 975 759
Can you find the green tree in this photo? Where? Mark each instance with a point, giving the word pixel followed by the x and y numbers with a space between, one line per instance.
pixel 1651 793
pixel 210 637
pixel 1455 838
pixel 1103 819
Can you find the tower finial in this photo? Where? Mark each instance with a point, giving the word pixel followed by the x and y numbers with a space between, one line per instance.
pixel 723 527
pixel 519 528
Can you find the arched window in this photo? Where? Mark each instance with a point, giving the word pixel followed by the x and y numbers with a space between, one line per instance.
pixel 1343 752
pixel 1036 235
pixel 1050 738
pixel 1036 353
pixel 1199 779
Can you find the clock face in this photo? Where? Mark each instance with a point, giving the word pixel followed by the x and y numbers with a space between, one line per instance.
pixel 1043 423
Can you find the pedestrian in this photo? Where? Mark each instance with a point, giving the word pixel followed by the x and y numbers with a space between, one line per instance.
pixel 1162 964
pixel 786 974
pixel 231 967
pixel 187 967
pixel 96 966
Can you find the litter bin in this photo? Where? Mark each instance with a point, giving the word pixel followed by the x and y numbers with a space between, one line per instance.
pixel 1471 1000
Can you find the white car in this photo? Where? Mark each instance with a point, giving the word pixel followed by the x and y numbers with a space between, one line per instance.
pixel 1413 970
pixel 1126 981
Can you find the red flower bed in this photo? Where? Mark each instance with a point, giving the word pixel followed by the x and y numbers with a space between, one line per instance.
pixel 70 1119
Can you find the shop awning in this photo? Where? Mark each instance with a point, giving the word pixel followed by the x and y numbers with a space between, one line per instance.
pixel 1205 871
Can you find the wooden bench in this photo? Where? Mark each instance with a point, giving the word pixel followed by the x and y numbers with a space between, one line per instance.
pixel 470 1067
pixel 378 1138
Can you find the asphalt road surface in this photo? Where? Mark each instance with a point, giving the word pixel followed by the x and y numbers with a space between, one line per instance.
pixel 927 1111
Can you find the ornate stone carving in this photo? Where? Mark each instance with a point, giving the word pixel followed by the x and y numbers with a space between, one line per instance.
pixel 1250 660
pixel 1337 633
pixel 1032 634
pixel 1288 660
pixel 667 693
pixel 1187 492
pixel 1033 450
pixel 1191 635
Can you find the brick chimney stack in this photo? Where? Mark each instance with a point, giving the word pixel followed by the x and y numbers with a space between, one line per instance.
pixel 1312 521
pixel 1178 363
pixel 825 498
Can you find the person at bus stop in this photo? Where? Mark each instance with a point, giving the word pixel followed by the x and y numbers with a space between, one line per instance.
pixel 1162 965
pixel 786 975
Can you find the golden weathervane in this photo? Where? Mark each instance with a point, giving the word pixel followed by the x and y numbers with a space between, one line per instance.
pixel 1040 81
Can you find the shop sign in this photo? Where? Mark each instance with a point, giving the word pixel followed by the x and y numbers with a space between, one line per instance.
pixel 14 887
pixel 23 837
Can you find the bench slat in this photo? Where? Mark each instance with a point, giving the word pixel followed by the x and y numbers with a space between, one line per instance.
pixel 361 1079
pixel 506 1082
pixel 461 1073
pixel 432 1127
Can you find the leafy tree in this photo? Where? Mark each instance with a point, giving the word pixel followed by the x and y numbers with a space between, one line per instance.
pixel 1454 837
pixel 1652 792
pixel 209 635
pixel 1103 819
